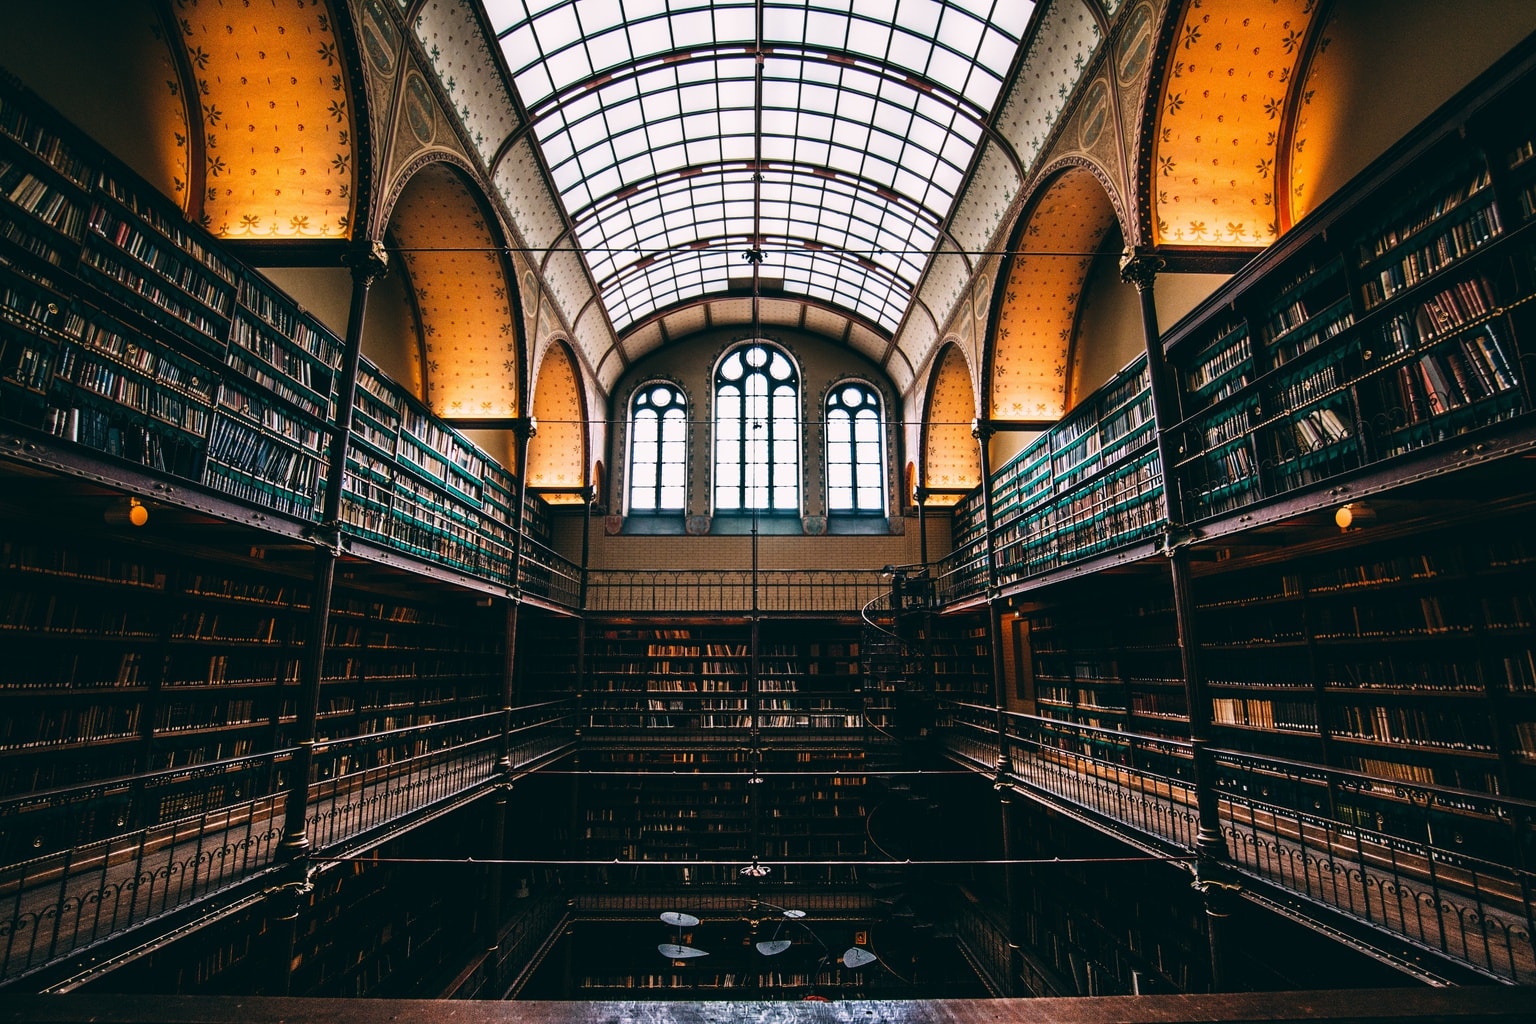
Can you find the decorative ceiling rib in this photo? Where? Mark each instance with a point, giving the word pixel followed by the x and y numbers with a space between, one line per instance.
pixel 835 142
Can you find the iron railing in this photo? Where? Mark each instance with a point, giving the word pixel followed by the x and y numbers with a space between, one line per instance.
pixel 544 573
pixel 1446 870
pixel 112 856
pixel 731 590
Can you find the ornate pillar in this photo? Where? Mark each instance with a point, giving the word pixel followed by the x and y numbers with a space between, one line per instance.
pixel 983 431
pixel 1213 876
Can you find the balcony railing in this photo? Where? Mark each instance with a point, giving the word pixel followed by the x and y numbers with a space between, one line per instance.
pixel 106 858
pixel 731 590
pixel 1445 870
pixel 544 573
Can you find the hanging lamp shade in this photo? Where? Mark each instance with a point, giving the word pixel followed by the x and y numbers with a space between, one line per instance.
pixel 856 957
pixel 672 951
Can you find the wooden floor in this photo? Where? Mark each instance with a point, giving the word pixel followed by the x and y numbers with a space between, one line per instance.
pixel 1504 1005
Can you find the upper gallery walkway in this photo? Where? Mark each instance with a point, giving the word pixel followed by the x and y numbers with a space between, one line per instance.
pixel 1383 861
pixel 216 830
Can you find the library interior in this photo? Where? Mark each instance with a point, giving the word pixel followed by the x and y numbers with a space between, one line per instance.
pixel 926 510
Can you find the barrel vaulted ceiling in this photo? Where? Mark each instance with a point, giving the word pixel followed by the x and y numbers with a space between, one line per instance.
pixel 682 136
pixel 870 152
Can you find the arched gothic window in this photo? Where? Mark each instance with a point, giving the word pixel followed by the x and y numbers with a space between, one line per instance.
pixel 855 449
pixel 658 448
pixel 757 431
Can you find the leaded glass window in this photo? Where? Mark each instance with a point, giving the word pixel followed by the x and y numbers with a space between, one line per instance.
pixel 658 449
pixel 855 449
pixel 757 431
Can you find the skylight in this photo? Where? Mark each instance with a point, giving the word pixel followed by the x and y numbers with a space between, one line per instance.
pixel 841 163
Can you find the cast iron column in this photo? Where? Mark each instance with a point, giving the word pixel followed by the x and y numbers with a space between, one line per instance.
pixel 368 265
pixel 1213 877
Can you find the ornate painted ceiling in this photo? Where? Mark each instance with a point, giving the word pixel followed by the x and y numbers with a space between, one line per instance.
pixel 1221 121
pixel 278 138
pixel 1037 317
pixel 463 301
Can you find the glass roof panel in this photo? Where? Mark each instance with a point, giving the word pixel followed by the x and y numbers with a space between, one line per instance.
pixel 860 117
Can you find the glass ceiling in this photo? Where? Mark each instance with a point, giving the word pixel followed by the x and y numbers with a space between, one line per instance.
pixel 654 121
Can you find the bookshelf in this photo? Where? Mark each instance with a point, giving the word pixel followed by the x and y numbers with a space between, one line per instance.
pixel 1090 485
pixel 958 653
pixel 1106 655
pixel 393 662
pixel 123 659
pixel 418 486
pixel 1406 659
pixel 694 679
pixel 1393 321
pixel 126 329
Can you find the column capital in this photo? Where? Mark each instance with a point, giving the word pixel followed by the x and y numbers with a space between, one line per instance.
pixel 1140 268
pixel 982 430
pixel 524 427
pixel 368 261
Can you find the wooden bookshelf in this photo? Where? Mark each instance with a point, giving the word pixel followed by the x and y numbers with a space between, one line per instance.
pixel 1109 659
pixel 1406 659
pixel 126 329
pixel 1391 322
pixel 1090 485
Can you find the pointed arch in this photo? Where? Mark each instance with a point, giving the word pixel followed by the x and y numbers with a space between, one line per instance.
pixel 557 453
pixel 462 292
pixel 1040 288
pixel 951 455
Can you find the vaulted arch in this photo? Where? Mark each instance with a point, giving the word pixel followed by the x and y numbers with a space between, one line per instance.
pixel 557 454
pixel 279 121
pixel 1222 118
pixel 462 293
pixel 1041 287
pixel 951 455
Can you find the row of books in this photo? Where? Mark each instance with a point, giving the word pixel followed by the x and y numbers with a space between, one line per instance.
pixel 1262 713
pixel 1455 242
pixel 39 197
pixel 21 127
pixel 1406 724
pixel 152 252
pixel 1228 352
pixel 22 729
pixel 134 392
pixel 1442 202
pixel 173 228
pixel 1300 301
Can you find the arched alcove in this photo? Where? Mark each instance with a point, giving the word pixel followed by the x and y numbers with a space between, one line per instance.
pixel 1041 287
pixel 463 317
pixel 557 454
pixel 951 456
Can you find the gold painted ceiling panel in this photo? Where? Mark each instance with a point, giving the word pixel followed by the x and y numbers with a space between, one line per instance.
pixel 461 295
pixel 277 118
pixel 1039 310
pixel 1220 121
